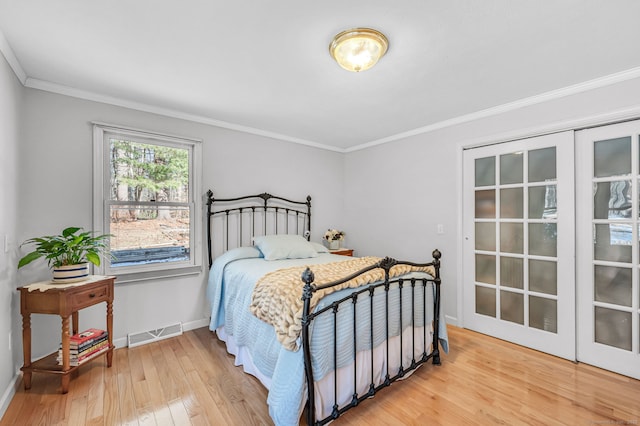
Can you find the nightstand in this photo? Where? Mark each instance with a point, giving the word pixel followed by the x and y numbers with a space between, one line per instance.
pixel 64 300
pixel 342 252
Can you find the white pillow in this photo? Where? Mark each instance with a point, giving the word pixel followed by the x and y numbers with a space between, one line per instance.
pixel 285 246
pixel 320 248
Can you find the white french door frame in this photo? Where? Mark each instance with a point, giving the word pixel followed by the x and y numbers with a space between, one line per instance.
pixel 588 350
pixel 573 125
pixel 561 343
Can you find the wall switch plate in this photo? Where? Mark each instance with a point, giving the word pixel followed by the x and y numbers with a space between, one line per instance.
pixel 440 229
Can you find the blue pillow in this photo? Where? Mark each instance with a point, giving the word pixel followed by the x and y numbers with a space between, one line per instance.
pixel 285 246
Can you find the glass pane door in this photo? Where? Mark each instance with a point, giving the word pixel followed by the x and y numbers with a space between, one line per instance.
pixel 512 242
pixel 608 296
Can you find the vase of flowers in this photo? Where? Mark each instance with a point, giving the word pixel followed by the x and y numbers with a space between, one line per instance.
pixel 334 238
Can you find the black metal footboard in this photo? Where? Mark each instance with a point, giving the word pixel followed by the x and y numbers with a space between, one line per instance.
pixel 406 297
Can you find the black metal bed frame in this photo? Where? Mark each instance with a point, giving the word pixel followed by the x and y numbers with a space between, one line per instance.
pixel 430 349
pixel 270 204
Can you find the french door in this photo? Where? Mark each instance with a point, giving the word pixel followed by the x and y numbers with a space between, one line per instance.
pixel 608 266
pixel 518 247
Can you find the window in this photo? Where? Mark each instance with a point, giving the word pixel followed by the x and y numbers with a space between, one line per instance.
pixel 144 196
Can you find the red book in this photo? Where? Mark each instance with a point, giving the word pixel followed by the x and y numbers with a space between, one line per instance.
pixel 89 343
pixel 90 334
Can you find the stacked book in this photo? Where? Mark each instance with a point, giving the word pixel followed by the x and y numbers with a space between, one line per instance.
pixel 85 345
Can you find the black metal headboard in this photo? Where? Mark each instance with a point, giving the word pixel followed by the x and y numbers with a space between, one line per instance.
pixel 233 222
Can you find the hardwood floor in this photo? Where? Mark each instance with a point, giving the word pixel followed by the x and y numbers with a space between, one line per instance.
pixel 191 380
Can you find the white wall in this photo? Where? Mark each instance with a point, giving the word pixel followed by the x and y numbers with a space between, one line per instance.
pixel 56 191
pixel 11 104
pixel 397 193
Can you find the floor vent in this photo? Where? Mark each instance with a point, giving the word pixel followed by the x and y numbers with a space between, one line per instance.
pixel 144 337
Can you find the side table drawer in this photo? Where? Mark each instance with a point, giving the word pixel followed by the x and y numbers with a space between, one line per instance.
pixel 342 252
pixel 89 297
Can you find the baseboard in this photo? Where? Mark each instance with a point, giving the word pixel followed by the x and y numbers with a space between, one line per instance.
pixel 192 325
pixel 120 343
pixel 204 322
pixel 451 320
pixel 9 392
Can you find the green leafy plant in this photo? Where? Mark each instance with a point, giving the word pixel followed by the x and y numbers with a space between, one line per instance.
pixel 72 247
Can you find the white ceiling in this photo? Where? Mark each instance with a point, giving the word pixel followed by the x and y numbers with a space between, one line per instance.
pixel 264 66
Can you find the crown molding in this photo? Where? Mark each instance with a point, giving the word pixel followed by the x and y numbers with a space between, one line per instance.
pixel 139 106
pixel 511 106
pixel 13 62
pixel 577 124
pixel 500 109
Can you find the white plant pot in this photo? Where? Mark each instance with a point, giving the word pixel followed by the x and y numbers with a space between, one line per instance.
pixel 334 244
pixel 70 273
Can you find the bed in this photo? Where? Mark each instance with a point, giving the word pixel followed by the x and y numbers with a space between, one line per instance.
pixel 320 331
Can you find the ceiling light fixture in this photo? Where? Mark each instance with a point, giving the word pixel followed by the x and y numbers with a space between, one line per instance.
pixel 358 49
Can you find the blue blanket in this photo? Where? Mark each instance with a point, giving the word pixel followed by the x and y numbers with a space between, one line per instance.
pixel 231 281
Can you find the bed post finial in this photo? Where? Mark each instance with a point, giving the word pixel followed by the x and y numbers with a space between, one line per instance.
pixel 436 254
pixel 307 278
pixel 436 264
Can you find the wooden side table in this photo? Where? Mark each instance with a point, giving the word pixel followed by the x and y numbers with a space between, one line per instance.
pixel 342 252
pixel 64 300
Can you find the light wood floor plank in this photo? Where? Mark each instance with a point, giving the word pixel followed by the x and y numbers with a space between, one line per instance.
pixel 111 406
pixel 14 410
pixel 95 396
pixel 125 389
pixel 146 417
pixel 174 383
pixel 192 380
pixel 223 386
pixel 78 413
pixel 179 413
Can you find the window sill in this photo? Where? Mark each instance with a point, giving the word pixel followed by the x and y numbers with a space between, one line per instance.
pixel 158 274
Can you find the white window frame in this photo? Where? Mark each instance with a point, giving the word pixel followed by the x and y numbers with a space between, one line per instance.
pixel 101 203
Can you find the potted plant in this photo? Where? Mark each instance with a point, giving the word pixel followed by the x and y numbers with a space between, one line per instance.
pixel 333 237
pixel 68 254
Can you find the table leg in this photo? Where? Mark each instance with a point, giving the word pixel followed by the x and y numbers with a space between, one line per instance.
pixel 65 382
pixel 65 354
pixel 74 331
pixel 74 323
pixel 110 332
pixel 26 348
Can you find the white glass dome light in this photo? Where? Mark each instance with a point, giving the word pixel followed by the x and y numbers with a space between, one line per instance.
pixel 358 49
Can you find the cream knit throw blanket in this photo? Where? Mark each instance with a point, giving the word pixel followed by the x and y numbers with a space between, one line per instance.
pixel 277 297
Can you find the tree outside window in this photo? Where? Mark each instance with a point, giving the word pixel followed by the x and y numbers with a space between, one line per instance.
pixel 147 190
